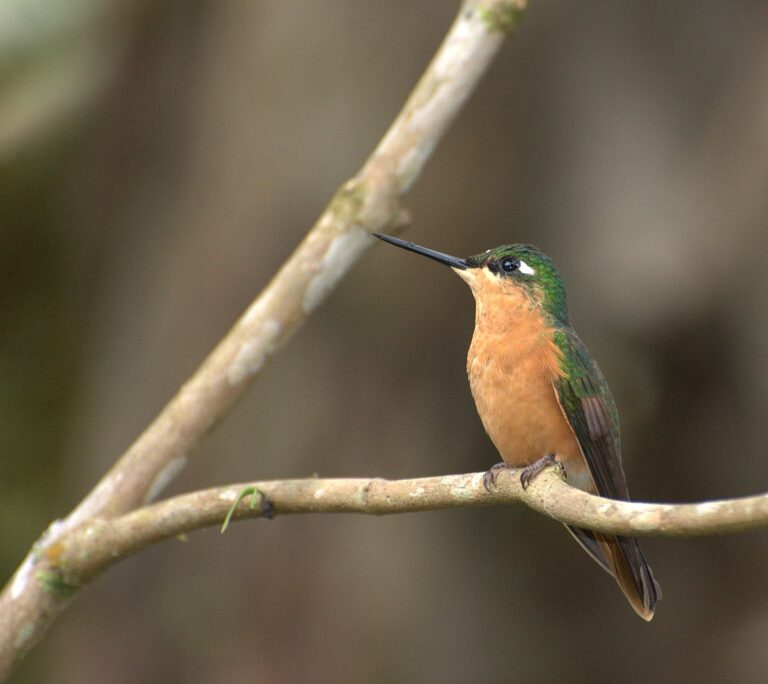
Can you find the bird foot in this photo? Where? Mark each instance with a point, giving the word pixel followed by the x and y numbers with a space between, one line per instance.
pixel 489 479
pixel 531 471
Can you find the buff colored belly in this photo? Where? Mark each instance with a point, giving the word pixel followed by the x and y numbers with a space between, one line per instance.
pixel 516 400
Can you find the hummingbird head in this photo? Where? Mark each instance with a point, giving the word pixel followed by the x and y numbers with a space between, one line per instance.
pixel 507 272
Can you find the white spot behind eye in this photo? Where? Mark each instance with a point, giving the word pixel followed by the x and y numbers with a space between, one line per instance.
pixel 525 268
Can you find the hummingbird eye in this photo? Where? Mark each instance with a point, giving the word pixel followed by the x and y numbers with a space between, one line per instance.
pixel 509 264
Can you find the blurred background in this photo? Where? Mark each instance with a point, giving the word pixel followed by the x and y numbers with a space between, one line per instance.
pixel 158 160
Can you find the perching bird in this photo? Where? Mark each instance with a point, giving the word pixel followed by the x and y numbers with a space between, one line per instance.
pixel 541 396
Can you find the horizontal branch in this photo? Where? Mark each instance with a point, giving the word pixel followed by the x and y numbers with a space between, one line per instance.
pixel 87 551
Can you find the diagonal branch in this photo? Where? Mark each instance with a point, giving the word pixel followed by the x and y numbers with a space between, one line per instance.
pixel 370 201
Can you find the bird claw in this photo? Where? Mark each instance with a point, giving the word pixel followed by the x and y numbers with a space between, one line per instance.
pixel 531 471
pixel 490 477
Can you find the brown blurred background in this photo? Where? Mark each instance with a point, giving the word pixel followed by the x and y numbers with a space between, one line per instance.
pixel 158 161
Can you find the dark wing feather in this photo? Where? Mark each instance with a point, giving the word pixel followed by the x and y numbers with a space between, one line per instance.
pixel 589 408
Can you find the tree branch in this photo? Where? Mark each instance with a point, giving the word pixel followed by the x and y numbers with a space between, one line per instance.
pixel 368 202
pixel 85 552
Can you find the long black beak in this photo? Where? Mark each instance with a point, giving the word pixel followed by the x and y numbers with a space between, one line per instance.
pixel 446 259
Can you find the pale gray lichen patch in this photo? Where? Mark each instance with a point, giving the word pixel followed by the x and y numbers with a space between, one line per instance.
pixel 417 493
pixel 462 492
pixel 22 576
pixel 477 480
pixel 255 310
pixel 339 256
pixel 361 495
pixel 606 509
pixel 164 477
pixel 253 352
pixel 23 636
pixel 447 89
pixel 708 507
pixel 461 49
pixel 412 162
pixel 646 521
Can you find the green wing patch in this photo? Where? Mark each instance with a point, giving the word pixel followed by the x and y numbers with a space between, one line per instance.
pixel 588 405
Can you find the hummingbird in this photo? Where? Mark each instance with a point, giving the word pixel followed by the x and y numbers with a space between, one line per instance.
pixel 541 396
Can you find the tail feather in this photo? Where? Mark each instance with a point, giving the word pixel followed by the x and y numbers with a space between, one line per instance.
pixel 623 558
pixel 634 575
pixel 586 540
